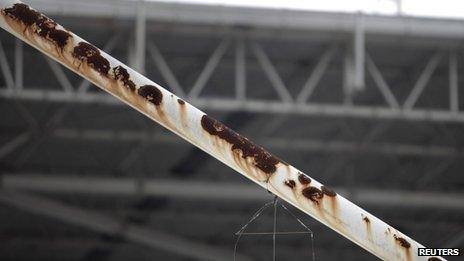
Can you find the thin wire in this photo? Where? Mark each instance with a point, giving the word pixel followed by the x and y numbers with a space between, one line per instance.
pixel 239 233
pixel 277 233
pixel 274 233
pixel 274 230
pixel 311 234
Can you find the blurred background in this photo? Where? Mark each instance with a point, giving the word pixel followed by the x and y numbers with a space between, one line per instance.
pixel 362 95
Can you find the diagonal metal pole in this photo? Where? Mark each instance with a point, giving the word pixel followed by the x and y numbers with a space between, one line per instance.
pixel 252 161
pixel 109 46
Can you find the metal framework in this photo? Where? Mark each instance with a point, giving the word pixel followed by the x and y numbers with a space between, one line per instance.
pixel 101 223
pixel 287 103
pixel 183 119
pixel 203 190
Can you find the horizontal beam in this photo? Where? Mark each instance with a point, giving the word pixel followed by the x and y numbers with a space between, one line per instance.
pixel 102 135
pixel 255 106
pixel 13 144
pixel 216 191
pixel 272 18
pixel 105 224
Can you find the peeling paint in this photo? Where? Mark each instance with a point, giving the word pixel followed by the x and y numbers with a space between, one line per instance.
pixel 120 74
pixel 303 179
pixel 290 183
pixel 39 23
pixel 312 193
pixel 90 54
pixel 366 220
pixel 402 242
pixel 151 93
pixel 23 13
pixel 327 191
pixel 263 160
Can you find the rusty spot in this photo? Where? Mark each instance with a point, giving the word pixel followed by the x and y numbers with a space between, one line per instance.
pixel 151 93
pixel 263 160
pixel 366 219
pixel 367 223
pixel 290 183
pixel 45 27
pixel 327 191
pixel 304 180
pixel 181 102
pixel 403 242
pixel 312 193
pixel 23 13
pixel 121 74
pixel 90 54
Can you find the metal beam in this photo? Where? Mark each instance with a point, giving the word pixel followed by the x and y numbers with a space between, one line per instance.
pixel 240 69
pixel 359 53
pixel 381 83
pixel 140 36
pixel 210 66
pixel 164 69
pixel 104 224
pixel 13 144
pixel 6 70
pixel 102 135
pixel 216 191
pixel 423 80
pixel 60 75
pixel 316 75
pixel 19 64
pixel 271 18
pixel 453 82
pixel 255 106
pixel 348 77
pixel 271 73
pixel 334 110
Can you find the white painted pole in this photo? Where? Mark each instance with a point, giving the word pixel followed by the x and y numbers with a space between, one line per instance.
pixel 188 122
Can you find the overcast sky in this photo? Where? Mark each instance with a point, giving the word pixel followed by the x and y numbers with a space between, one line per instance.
pixel 433 8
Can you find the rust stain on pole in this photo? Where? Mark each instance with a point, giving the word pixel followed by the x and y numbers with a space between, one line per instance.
pixel 151 93
pixel 290 183
pixel 312 193
pixel 36 23
pixel 90 54
pixel 303 179
pixel 120 74
pixel 263 159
